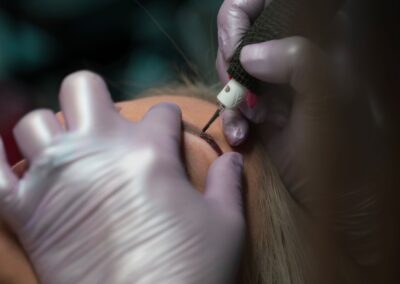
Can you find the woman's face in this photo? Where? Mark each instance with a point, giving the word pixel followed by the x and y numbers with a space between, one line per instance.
pixel 198 152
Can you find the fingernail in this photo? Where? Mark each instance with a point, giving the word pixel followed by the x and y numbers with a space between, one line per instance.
pixel 251 99
pixel 235 135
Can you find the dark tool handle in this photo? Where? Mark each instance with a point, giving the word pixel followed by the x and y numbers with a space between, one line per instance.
pixel 280 19
pixel 273 23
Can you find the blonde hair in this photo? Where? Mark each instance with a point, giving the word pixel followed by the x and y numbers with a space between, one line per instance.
pixel 275 253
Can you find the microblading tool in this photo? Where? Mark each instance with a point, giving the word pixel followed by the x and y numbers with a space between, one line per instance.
pixel 281 18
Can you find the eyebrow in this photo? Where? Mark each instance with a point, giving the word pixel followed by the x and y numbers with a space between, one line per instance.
pixel 192 129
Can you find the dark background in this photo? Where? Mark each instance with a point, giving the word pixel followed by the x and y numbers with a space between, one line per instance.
pixel 133 44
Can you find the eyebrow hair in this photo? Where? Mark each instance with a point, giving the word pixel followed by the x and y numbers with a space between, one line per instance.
pixel 192 129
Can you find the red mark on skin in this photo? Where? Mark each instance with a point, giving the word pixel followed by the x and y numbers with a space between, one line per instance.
pixel 251 99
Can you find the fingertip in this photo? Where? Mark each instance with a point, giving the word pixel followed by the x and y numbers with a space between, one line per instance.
pixel 235 127
pixel 80 75
pixel 164 119
pixel 227 165
pixel 86 101
pixel 246 53
pixel 247 58
pixel 35 131
pixel 167 110
pixel 292 60
pixel 236 159
pixel 253 57
pixel 269 61
pixel 79 78
pixel 224 182
pixel 168 105
pixel 230 165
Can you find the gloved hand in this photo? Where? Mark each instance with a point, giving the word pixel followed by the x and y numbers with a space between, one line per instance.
pixel 108 200
pixel 315 121
pixel 234 19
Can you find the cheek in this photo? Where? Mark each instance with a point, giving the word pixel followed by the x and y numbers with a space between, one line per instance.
pixel 197 156
pixel 15 267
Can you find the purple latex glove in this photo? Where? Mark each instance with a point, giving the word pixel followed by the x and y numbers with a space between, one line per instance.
pixel 316 121
pixel 234 19
pixel 108 200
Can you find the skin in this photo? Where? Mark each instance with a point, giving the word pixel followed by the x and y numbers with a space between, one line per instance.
pixel 197 154
pixel 111 156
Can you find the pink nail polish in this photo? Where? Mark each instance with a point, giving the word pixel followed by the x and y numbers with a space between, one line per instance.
pixel 251 99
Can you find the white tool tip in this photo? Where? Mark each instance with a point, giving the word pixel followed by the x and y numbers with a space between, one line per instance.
pixel 232 94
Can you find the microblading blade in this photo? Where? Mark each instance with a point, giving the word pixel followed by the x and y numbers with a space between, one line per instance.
pixel 212 119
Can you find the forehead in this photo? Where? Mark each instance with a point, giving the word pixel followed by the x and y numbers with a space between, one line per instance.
pixel 194 111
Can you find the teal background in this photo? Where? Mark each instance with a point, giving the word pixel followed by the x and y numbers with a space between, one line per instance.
pixel 133 44
pixel 41 41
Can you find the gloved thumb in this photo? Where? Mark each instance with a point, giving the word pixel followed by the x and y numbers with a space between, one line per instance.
pixel 293 60
pixel 224 183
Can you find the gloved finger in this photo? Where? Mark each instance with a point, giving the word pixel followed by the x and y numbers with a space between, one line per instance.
pixel 8 182
pixel 35 131
pixel 224 183
pixel 86 103
pixel 294 60
pixel 234 19
pixel 235 126
pixel 222 68
pixel 165 121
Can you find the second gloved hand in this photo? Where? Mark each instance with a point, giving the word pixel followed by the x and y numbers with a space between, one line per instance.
pixel 316 121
